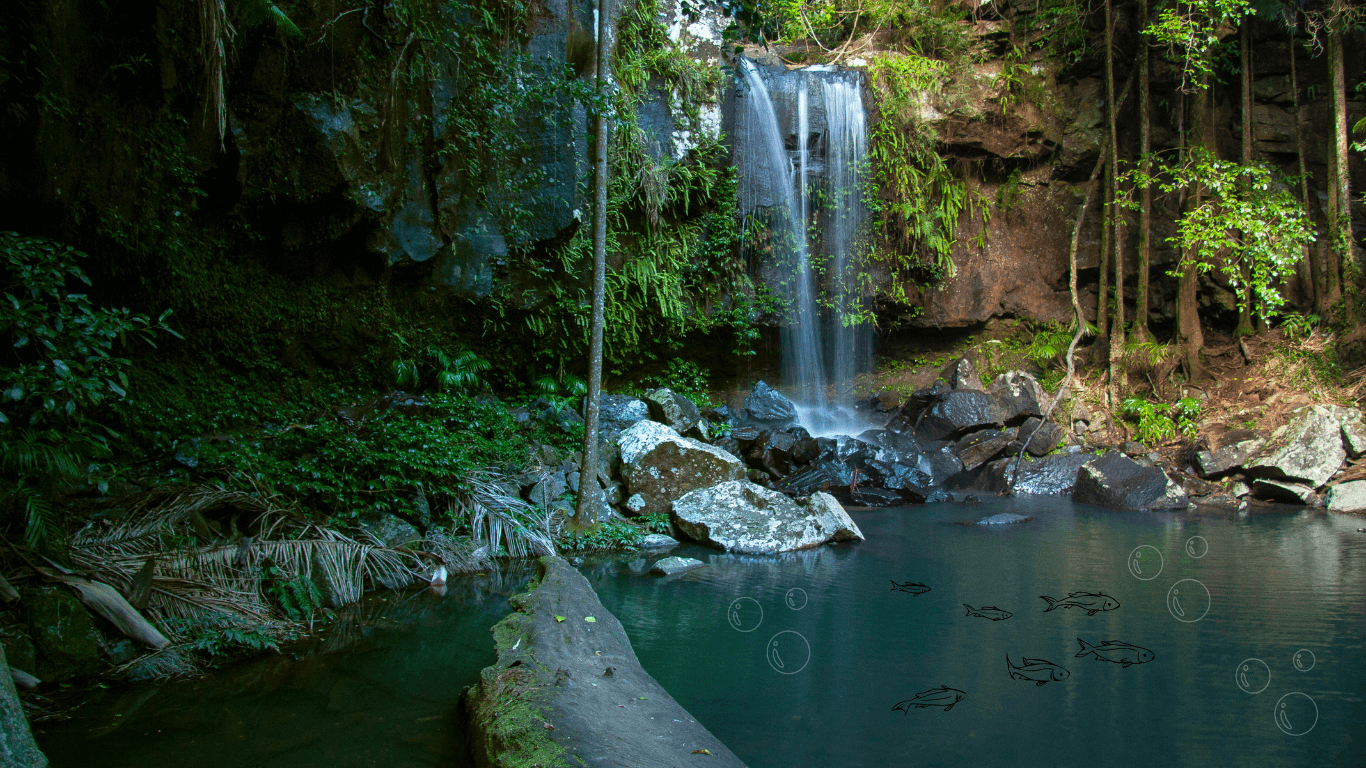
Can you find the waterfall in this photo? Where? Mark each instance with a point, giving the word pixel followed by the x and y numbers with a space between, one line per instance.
pixel 770 181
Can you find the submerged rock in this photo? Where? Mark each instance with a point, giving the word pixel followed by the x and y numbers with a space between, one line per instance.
pixel 1309 449
pixel 740 516
pixel 1117 481
pixel 659 466
pixel 671 565
pixel 768 407
pixel 1004 518
pixel 569 690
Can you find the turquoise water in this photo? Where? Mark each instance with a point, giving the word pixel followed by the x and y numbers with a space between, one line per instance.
pixel 1277 585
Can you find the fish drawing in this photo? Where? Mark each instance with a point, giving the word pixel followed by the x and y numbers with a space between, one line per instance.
pixel 1117 652
pixel 988 612
pixel 943 696
pixel 1087 601
pixel 1036 670
pixel 914 587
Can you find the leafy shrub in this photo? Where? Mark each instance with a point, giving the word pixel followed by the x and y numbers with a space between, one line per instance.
pixel 1156 424
pixel 613 534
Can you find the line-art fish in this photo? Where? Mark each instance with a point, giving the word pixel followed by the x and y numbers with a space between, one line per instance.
pixel 1036 670
pixel 1087 601
pixel 943 696
pixel 989 612
pixel 1117 652
pixel 914 587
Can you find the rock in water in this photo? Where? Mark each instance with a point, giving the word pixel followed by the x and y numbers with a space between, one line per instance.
pixel 549 701
pixel 767 406
pixel 658 541
pixel 1019 395
pixel 740 516
pixel 669 407
pixel 1308 449
pixel 17 747
pixel 671 565
pixel 1004 518
pixel 1228 452
pixel 1348 497
pixel 659 466
pixel 1117 481
pixel 1279 490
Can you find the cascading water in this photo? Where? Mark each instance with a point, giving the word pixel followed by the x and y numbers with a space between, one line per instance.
pixel 770 181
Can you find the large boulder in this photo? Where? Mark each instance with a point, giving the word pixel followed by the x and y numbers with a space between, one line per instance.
pixel 1282 491
pixel 740 516
pixel 618 412
pixel 962 374
pixel 17 747
pixel 567 689
pixel 668 407
pixel 980 447
pixel 1308 450
pixel 1228 451
pixel 64 635
pixel 1117 481
pixel 659 466
pixel 1353 432
pixel 911 484
pixel 958 412
pixel 1049 476
pixel 1019 396
pixel 1348 497
pixel 766 406
pixel 1041 437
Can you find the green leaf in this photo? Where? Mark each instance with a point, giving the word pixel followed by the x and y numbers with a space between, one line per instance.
pixel 589 619
pixel 559 618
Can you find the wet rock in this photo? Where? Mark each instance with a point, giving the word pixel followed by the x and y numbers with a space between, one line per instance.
pixel 767 407
pixel 957 413
pixel 659 465
pixel 668 407
pixel 1118 482
pixel 940 465
pixel 740 516
pixel 911 411
pixel 619 412
pixel 719 414
pixel 1194 486
pixel 829 476
pixel 1287 492
pixel 885 401
pixel 1004 518
pixel 627 718
pixel 980 447
pixel 875 497
pixel 672 565
pixel 17 747
pixel 63 633
pixel 893 446
pixel 1019 396
pixel 1348 497
pixel 962 374
pixel 1048 476
pixel 910 483
pixel 1042 436
pixel 1228 451
pixel 658 541
pixel 1309 449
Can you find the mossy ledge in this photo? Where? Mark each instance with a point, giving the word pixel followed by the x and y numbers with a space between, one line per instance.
pixel 567 691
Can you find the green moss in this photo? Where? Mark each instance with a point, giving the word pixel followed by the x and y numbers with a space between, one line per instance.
pixel 509 722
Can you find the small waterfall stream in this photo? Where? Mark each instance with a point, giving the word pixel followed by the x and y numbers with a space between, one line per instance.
pixel 801 157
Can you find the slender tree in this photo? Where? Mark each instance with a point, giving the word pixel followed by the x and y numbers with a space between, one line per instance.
pixel 1116 345
pixel 1316 292
pixel 590 493
pixel 1340 219
pixel 1145 218
pixel 1245 54
pixel 1189 335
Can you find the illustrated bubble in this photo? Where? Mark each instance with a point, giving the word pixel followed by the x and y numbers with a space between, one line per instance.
pixel 1252 675
pixel 1145 562
pixel 1188 601
pixel 1196 547
pixel 1304 660
pixel 745 614
pixel 795 598
pixel 1296 714
pixel 788 652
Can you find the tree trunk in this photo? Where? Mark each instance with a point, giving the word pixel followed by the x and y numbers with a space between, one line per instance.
pixel 1116 342
pixel 1245 45
pixel 1145 220
pixel 1342 223
pixel 590 493
pixel 1316 292
pixel 1190 337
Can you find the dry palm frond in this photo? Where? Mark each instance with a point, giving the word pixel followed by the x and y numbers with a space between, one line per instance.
pixel 214 33
pixel 169 662
pixel 499 519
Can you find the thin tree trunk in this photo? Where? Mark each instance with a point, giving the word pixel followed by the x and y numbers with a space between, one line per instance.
pixel 1316 293
pixel 590 492
pixel 1116 345
pixel 1190 337
pixel 1245 45
pixel 1103 290
pixel 1145 220
pixel 1342 224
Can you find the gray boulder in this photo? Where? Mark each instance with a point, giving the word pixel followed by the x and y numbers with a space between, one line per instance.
pixel 740 516
pixel 958 412
pixel 980 447
pixel 962 374
pixel 1308 450
pixel 1042 436
pixel 768 407
pixel 17 747
pixel 671 565
pixel 1049 476
pixel 1353 432
pixel 1228 451
pixel 548 488
pixel 619 412
pixel 1283 491
pixel 569 691
pixel 64 635
pixel 1019 395
pixel 668 407
pixel 658 541
pixel 659 466
pixel 1348 497
pixel 1118 482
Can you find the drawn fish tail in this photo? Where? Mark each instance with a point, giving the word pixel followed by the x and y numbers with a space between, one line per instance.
pixel 970 609
pixel 1085 648
pixel 1052 603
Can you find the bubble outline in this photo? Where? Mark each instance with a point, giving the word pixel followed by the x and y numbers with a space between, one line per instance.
pixel 1161 562
pixel 770 642
pixel 1209 605
pixel 1240 685
pixel 731 621
pixel 805 598
pixel 1312 703
pixel 1188 547
pixel 1296 664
